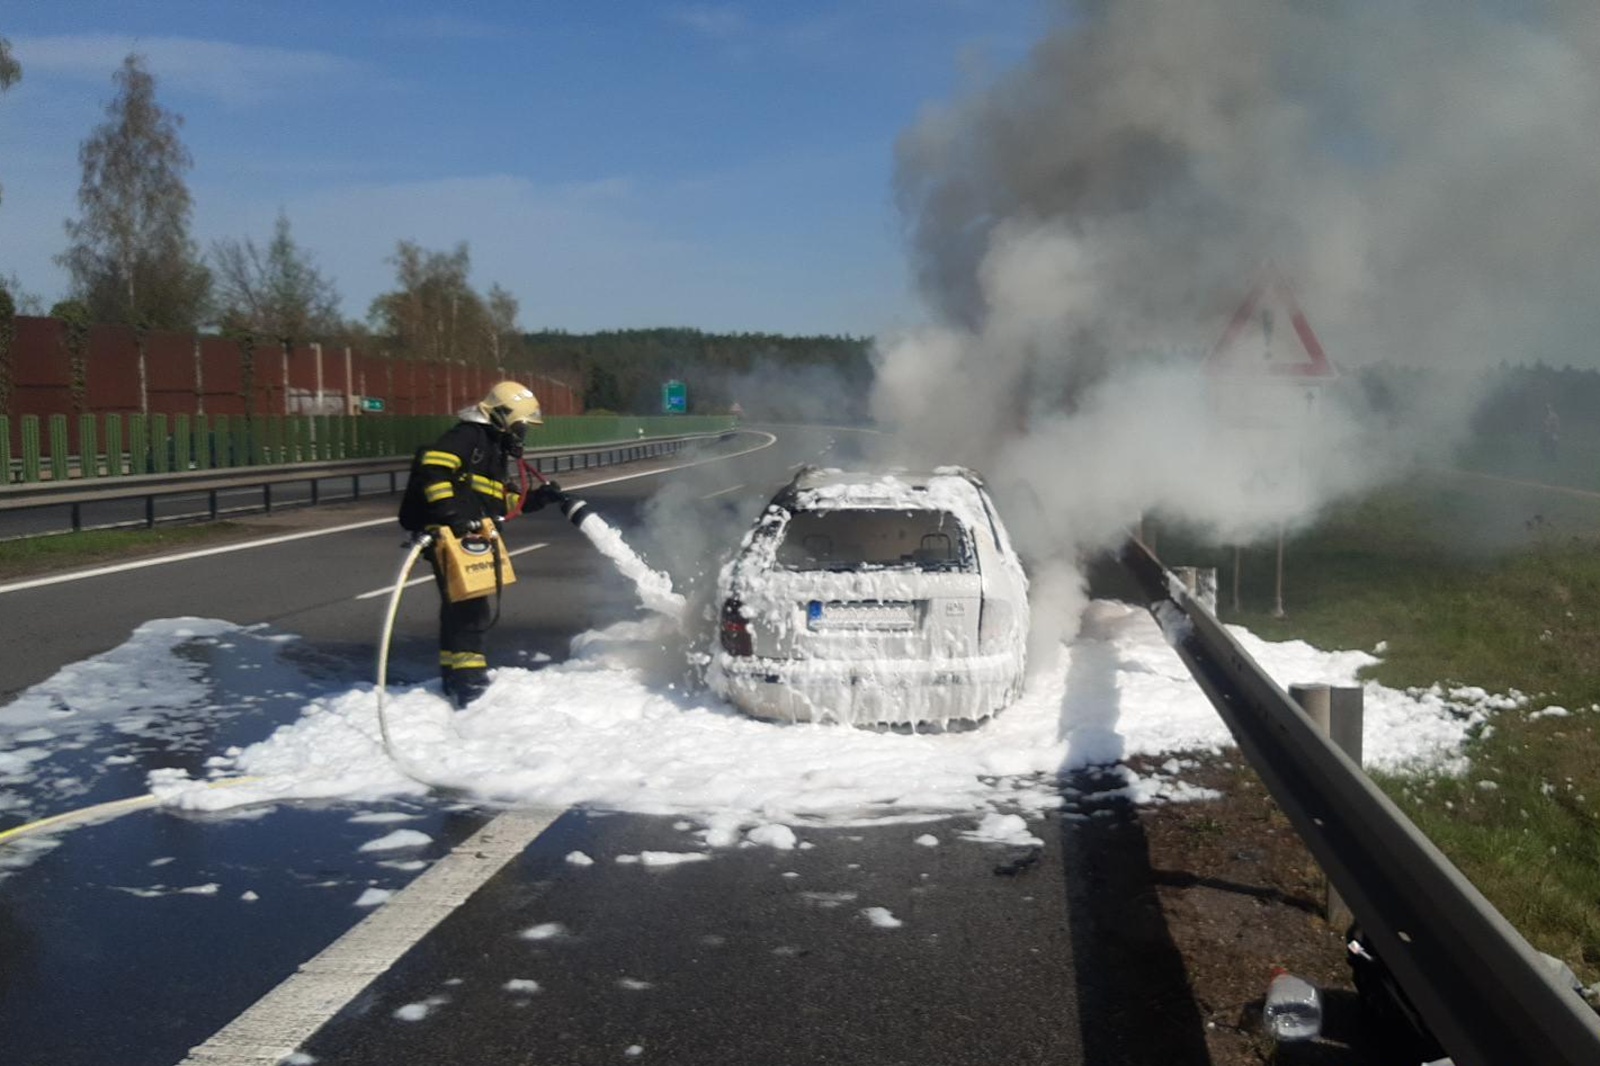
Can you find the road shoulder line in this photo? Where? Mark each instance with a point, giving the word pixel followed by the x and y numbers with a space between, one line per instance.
pixel 283 1019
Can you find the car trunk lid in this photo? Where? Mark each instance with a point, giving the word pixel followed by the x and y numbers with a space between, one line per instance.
pixel 894 614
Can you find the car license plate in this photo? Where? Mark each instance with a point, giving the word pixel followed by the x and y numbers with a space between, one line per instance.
pixel 877 616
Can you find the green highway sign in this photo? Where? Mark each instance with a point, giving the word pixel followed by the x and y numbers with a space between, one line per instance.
pixel 371 403
pixel 674 398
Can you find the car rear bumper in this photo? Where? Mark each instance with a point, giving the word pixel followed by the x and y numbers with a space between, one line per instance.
pixel 869 693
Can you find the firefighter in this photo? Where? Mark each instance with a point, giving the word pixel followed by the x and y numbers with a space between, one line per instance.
pixel 462 478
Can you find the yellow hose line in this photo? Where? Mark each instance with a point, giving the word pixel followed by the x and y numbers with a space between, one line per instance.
pixel 100 812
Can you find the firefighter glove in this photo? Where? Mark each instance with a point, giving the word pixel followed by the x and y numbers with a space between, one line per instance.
pixel 547 493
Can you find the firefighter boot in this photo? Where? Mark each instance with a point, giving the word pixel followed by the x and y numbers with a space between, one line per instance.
pixel 465 684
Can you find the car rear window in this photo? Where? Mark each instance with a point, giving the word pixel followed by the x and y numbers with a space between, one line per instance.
pixel 869 538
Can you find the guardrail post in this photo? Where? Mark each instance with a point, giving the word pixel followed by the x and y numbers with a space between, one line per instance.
pixel 1314 700
pixel 1201 581
pixel 1347 719
pixel 1337 714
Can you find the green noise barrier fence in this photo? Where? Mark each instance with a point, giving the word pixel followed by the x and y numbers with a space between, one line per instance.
pixel 95 446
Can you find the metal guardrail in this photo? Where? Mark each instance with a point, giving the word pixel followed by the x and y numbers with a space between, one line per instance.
pixel 1481 989
pixel 75 496
pixel 56 448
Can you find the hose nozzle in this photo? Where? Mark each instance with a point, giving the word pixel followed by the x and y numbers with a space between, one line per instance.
pixel 574 510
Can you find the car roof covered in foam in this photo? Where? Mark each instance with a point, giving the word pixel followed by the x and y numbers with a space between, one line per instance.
pixel 819 489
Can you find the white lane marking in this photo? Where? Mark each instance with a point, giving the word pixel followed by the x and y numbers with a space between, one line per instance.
pixel 413 583
pixel 224 549
pixel 278 1023
pixel 722 492
pixel 200 553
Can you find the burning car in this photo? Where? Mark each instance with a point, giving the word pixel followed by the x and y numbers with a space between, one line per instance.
pixel 886 600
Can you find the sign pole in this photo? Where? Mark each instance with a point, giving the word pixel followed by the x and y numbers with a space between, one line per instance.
pixel 1238 559
pixel 1277 608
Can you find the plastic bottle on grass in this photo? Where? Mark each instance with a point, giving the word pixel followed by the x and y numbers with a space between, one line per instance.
pixel 1293 1008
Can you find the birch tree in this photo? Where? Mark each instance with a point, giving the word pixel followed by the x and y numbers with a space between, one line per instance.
pixel 500 325
pixel 276 291
pixel 433 314
pixel 10 69
pixel 129 255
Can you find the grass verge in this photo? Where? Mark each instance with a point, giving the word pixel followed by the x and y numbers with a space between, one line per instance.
pixel 1469 584
pixel 33 556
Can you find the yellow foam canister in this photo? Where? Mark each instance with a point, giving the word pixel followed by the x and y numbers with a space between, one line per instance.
pixel 469 562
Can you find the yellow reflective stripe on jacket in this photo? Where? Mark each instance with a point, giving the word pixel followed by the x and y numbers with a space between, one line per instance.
pixel 448 460
pixel 488 486
pixel 439 490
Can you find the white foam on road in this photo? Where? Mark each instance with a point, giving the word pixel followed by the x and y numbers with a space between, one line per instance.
pixel 601 731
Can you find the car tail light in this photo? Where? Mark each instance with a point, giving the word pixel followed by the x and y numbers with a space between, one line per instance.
pixel 735 629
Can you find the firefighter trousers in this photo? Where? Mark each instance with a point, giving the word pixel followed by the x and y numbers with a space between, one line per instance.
pixel 463 666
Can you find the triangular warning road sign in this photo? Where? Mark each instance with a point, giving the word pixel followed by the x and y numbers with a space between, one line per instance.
pixel 1270 337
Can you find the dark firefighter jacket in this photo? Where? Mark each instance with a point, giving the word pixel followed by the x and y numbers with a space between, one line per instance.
pixel 459 478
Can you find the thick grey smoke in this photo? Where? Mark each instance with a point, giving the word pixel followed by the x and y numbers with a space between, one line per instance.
pixel 1422 173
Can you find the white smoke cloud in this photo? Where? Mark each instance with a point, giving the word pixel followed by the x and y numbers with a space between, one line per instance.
pixel 1421 172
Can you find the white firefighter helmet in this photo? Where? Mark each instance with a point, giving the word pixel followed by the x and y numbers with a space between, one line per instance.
pixel 510 405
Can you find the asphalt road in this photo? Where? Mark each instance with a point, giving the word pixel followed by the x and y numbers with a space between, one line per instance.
pixel 132 941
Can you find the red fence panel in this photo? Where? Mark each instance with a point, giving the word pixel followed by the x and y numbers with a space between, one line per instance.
pixel 113 370
pixel 222 376
pixel 218 381
pixel 170 372
pixel 41 368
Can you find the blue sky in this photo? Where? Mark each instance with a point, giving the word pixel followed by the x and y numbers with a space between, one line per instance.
pixel 614 164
